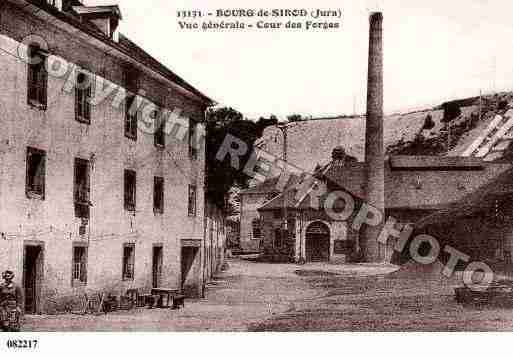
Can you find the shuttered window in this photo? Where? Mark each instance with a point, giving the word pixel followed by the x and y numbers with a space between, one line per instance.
pixel 158 195
pixel 37 79
pixel 257 228
pixel 130 185
pixel 79 275
pixel 159 136
pixel 131 84
pixel 130 118
pixel 193 151
pixel 35 177
pixel 192 201
pixel 83 95
pixel 128 261
pixel 81 188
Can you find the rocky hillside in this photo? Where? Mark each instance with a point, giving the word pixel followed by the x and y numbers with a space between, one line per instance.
pixel 435 137
pixel 424 132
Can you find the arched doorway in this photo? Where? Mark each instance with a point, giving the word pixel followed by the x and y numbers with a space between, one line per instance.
pixel 317 242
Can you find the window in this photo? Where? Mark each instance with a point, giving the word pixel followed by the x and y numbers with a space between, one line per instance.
pixel 50 2
pixel 192 201
pixel 278 238
pixel 158 195
pixel 81 188
pixel 271 196
pixel 278 213
pixel 281 237
pixel 193 151
pixel 131 84
pixel 128 261
pixel 130 190
pixel 35 181
pixel 257 230
pixel 159 138
pixel 37 78
pixel 131 118
pixel 79 275
pixel 83 95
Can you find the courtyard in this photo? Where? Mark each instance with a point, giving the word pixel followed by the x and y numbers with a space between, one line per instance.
pixel 314 297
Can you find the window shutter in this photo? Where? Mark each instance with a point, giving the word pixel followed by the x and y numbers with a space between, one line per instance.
pixel 31 82
pixel 75 184
pixel 127 190
pixel 132 262
pixel 40 175
pixel 77 103
pixel 134 190
pixel 87 106
pixel 43 83
pixel 89 96
pixel 83 267
pixel 88 181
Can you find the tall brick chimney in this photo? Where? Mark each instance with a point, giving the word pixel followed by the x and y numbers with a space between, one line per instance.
pixel 374 153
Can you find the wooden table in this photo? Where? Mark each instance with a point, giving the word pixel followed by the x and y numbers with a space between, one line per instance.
pixel 169 293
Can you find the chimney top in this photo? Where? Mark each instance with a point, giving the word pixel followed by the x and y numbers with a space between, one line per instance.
pixel 376 21
pixel 376 15
pixel 105 17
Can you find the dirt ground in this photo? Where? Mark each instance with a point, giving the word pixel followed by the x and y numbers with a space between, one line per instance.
pixel 314 297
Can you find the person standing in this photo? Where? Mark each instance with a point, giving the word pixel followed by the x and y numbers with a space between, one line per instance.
pixel 10 303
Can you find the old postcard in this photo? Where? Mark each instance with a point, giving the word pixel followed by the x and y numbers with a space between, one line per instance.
pixel 271 166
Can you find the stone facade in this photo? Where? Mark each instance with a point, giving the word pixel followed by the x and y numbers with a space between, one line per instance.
pixel 341 239
pixel 251 226
pixel 249 240
pixel 416 188
pixel 50 223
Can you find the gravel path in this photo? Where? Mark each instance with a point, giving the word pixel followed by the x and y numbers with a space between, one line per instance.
pixel 314 297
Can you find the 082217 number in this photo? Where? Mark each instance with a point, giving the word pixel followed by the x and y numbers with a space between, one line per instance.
pixel 22 344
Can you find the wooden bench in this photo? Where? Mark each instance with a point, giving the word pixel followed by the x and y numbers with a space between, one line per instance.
pixel 137 299
pixel 150 300
pixel 173 297
pixel 178 301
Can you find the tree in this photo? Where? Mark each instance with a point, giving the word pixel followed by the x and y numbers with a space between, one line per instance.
pixel 263 122
pixel 451 111
pixel 220 175
pixel 295 118
pixel 428 123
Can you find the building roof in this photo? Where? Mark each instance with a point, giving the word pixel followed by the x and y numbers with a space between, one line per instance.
pixel 94 10
pixel 269 186
pixel 483 197
pixel 435 163
pixel 127 48
pixel 417 182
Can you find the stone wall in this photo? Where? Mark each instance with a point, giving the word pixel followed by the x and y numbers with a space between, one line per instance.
pixel 52 221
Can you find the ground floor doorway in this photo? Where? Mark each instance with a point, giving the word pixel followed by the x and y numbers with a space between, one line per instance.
pixel 157 263
pixel 33 277
pixel 188 256
pixel 317 242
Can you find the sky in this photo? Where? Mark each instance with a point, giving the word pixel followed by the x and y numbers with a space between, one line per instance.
pixel 433 51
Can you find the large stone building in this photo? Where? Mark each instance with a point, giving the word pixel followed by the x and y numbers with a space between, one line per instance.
pixel 93 195
pixel 251 199
pixel 415 188
pixel 321 217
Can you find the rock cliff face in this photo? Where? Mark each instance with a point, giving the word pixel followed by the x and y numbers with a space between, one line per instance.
pixel 310 142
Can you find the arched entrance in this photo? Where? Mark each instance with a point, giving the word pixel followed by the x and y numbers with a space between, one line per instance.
pixel 317 242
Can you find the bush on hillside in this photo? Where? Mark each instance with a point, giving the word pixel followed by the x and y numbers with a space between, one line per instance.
pixel 503 105
pixel 451 111
pixel 428 123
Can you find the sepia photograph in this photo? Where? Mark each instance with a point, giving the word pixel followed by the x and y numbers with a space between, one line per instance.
pixel 274 166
